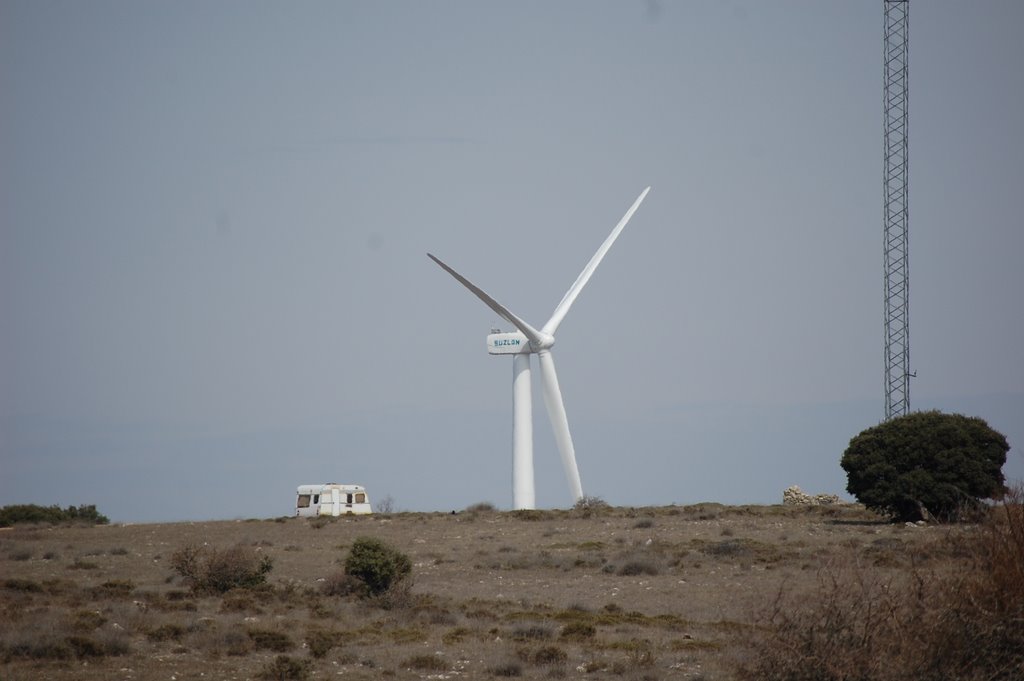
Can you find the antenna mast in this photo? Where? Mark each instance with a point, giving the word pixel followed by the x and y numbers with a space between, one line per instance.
pixel 897 287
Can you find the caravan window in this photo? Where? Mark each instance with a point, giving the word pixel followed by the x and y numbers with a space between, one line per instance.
pixel 316 499
pixel 303 501
pixel 360 498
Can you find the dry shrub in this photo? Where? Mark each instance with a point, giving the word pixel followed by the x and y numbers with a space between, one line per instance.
pixel 426 663
pixel 113 589
pixel 166 632
pixel 533 632
pixel 507 669
pixel 205 635
pixel 320 641
pixel 456 635
pixel 241 600
pixel 341 584
pixel 218 571
pixel 86 620
pixel 638 567
pixel 549 655
pixel 23 585
pixel 578 631
pixel 286 668
pixel 269 639
pixel 398 596
pixel 960 624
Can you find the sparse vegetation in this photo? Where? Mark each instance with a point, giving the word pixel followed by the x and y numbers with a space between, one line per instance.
pixel 53 515
pixel 922 623
pixel 558 596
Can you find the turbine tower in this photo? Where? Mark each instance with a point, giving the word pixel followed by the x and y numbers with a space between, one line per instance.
pixel 522 343
pixel 896 245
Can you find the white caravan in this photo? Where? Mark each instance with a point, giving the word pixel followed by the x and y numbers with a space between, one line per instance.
pixel 331 499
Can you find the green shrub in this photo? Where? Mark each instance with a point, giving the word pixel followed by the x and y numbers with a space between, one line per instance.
pixel 377 565
pixel 33 513
pixel 213 571
pixel 926 463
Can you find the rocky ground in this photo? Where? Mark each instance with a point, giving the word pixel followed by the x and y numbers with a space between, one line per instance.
pixel 633 593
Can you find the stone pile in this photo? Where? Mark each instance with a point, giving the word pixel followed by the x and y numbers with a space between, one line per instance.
pixel 794 496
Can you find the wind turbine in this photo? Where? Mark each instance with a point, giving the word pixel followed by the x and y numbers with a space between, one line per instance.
pixel 523 343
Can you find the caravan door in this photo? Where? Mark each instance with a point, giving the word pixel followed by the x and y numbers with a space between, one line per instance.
pixel 331 505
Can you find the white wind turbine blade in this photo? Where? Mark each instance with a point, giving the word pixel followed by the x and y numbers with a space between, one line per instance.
pixel 563 307
pixel 503 311
pixel 559 422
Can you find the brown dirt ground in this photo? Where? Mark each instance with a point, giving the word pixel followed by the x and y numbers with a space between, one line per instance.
pixel 646 593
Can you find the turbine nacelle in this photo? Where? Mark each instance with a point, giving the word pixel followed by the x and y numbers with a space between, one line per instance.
pixel 517 343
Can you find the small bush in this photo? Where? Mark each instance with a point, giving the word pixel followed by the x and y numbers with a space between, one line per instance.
pixel 531 633
pixel 87 620
pixel 286 668
pixel 166 632
pixel 241 600
pixel 85 647
pixel 377 565
pixel 507 669
pixel 269 639
pixel 80 564
pixel 455 635
pixel 588 506
pixel 638 567
pixel 113 589
pixel 23 585
pixel 217 572
pixel 578 631
pixel 341 584
pixel 426 663
pixel 549 655
pixel 320 641
pixel 46 648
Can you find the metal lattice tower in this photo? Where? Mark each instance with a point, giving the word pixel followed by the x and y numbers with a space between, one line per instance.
pixel 897 289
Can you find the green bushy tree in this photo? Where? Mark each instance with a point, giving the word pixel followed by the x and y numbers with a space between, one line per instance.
pixel 926 463
pixel 376 564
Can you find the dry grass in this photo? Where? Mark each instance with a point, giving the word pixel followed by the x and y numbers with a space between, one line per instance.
pixel 597 591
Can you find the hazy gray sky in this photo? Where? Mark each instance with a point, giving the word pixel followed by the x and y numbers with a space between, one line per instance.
pixel 214 220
